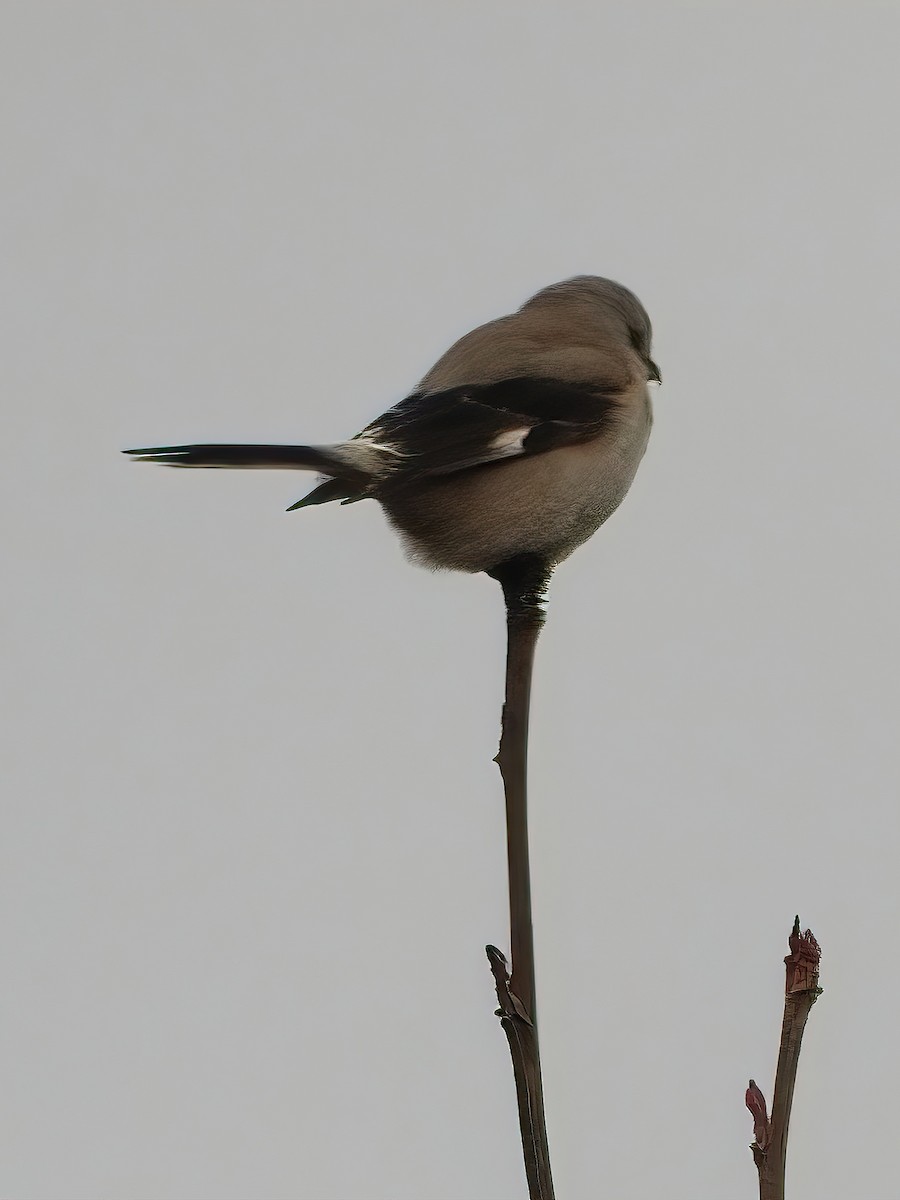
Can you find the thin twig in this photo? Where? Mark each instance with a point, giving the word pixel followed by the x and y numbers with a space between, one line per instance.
pixel 801 990
pixel 524 581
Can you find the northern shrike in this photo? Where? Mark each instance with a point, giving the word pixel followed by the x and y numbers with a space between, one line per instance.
pixel 515 447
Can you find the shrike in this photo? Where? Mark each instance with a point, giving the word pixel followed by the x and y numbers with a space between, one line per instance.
pixel 515 447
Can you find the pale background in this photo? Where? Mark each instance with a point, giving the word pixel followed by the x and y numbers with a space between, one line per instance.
pixel 252 838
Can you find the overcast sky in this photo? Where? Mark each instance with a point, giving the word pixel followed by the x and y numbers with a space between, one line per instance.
pixel 252 842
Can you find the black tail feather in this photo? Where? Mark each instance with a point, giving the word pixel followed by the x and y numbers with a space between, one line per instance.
pixel 331 489
pixel 247 457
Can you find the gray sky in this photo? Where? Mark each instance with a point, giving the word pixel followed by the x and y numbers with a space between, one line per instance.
pixel 253 838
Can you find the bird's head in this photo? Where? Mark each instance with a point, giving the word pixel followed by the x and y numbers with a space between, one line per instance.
pixel 609 301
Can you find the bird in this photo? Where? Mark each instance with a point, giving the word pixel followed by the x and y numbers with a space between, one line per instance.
pixel 516 446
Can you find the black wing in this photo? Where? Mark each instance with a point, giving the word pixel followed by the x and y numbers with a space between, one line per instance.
pixel 464 427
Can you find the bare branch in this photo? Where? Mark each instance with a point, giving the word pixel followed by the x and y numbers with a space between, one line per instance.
pixel 524 581
pixel 801 990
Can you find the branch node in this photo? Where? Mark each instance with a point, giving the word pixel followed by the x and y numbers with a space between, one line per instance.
pixel 511 1006
pixel 756 1102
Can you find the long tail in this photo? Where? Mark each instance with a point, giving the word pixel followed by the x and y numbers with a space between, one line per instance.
pixel 351 466
pixel 247 457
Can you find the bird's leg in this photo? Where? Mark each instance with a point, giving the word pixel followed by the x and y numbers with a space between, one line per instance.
pixel 524 581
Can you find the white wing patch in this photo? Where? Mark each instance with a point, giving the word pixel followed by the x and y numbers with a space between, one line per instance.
pixel 510 442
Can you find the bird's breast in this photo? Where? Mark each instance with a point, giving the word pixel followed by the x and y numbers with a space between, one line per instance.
pixel 545 504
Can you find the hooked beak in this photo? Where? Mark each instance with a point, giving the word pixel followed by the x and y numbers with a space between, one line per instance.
pixel 653 374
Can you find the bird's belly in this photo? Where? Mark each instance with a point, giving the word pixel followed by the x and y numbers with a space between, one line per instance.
pixel 545 504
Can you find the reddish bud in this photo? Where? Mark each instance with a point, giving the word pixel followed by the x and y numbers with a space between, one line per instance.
pixel 756 1102
pixel 802 964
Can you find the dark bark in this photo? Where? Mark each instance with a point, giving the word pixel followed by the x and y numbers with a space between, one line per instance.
pixel 524 581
